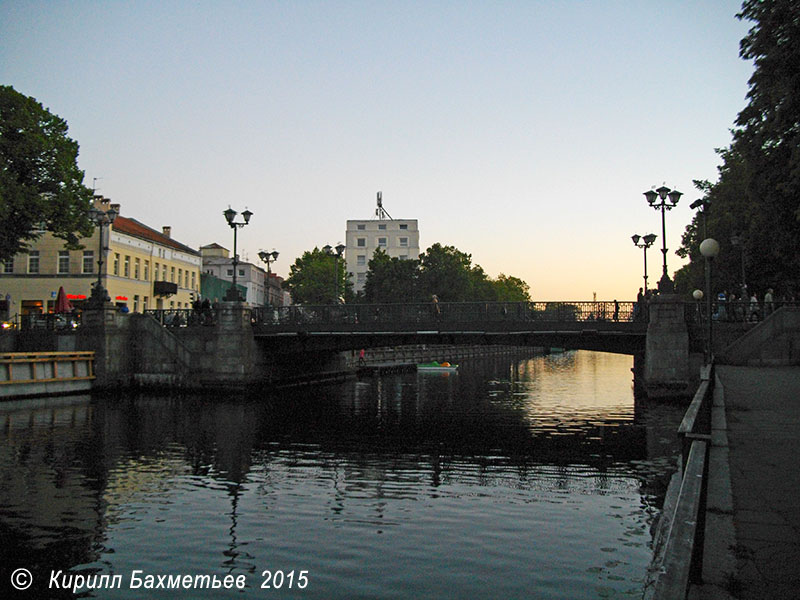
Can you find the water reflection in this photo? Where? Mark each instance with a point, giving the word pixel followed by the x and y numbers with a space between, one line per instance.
pixel 387 487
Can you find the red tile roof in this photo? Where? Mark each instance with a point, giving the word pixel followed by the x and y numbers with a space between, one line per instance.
pixel 136 229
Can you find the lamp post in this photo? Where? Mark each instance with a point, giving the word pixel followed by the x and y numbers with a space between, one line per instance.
pixel 709 248
pixel 232 295
pixel 663 193
pixel 702 204
pixel 647 241
pixel 738 240
pixel 102 219
pixel 336 256
pixel 269 258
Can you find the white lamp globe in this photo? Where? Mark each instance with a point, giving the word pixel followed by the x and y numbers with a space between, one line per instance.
pixel 709 248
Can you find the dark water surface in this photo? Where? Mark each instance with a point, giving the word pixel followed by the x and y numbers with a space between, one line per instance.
pixel 528 478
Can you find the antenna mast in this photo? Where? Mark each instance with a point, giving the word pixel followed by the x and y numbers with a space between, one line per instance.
pixel 380 212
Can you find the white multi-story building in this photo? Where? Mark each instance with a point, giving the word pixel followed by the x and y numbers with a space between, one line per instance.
pixel 397 237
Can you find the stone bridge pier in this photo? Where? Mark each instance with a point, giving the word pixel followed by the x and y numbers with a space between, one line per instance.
pixel 666 358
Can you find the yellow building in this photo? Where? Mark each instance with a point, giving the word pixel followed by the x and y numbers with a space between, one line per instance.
pixel 142 269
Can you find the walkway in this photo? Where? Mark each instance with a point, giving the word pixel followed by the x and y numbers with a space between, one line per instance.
pixel 763 426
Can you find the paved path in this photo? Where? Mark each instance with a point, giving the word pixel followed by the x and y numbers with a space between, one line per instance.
pixel 763 415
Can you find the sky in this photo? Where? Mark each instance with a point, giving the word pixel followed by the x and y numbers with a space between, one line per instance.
pixel 523 133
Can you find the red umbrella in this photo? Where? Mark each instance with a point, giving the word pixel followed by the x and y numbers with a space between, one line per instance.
pixel 62 302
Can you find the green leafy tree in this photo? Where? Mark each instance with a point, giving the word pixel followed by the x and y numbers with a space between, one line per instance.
pixel 390 279
pixel 757 196
pixel 40 183
pixel 446 272
pixel 313 278
pixel 511 289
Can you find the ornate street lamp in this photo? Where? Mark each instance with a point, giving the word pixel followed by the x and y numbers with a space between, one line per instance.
pixel 340 248
pixel 232 295
pixel 102 219
pixel 269 258
pixel 709 248
pixel 665 285
pixel 647 241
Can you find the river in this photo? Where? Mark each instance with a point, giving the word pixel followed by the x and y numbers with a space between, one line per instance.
pixel 529 477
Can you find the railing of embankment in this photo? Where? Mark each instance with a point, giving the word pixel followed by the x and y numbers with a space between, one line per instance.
pixel 682 559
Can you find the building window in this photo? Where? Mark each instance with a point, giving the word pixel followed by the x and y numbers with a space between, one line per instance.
pixel 116 263
pixel 136 304
pixel 180 277
pixel 8 266
pixel 361 277
pixel 230 272
pixel 194 280
pixel 403 225
pixel 147 270
pixel 33 261
pixel 403 242
pixel 127 267
pixel 361 242
pixel 63 262
pixel 171 274
pixel 136 265
pixel 382 242
pixel 361 260
pixel 241 272
pixel 88 261
pixel 361 227
pixel 403 257
pixel 382 226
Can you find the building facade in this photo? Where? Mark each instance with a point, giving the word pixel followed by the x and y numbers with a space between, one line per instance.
pixel 399 238
pixel 261 288
pixel 142 268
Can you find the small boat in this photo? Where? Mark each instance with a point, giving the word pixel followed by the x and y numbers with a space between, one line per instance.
pixel 437 367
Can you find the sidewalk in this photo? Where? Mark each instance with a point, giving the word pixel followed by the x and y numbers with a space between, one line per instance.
pixel 762 406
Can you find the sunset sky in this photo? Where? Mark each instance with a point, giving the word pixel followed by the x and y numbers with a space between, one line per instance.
pixel 523 133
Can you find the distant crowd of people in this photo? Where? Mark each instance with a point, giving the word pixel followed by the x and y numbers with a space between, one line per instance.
pixel 727 305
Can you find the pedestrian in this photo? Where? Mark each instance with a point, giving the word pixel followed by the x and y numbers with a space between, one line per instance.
pixel 754 312
pixel 616 310
pixel 769 304
pixel 436 309
pixel 361 360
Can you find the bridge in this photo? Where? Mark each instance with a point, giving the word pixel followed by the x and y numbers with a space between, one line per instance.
pixel 231 344
pixel 607 326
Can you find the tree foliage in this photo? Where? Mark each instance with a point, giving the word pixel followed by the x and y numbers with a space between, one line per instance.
pixel 390 279
pixel 40 183
pixel 313 278
pixel 756 198
pixel 444 271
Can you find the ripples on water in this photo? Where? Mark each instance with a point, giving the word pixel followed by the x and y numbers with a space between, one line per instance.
pixel 533 478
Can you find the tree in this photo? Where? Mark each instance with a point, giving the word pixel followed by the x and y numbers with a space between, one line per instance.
pixel 511 289
pixel 446 272
pixel 757 195
pixel 313 278
pixel 390 279
pixel 41 186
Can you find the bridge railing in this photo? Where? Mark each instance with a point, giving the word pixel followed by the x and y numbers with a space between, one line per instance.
pixel 430 313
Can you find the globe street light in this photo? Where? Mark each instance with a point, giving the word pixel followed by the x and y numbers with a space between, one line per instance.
pixel 103 219
pixel 336 256
pixel 269 258
pixel 709 248
pixel 647 241
pixel 663 193
pixel 232 295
